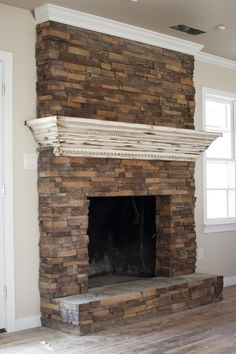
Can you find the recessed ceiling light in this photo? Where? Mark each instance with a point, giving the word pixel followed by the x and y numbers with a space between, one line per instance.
pixel 134 0
pixel 221 27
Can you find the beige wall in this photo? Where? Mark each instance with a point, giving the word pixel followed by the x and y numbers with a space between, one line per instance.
pixel 17 35
pixel 219 248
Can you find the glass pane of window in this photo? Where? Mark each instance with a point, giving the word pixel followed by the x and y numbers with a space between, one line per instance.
pixel 220 174
pixel 220 159
pixel 221 147
pixel 231 203
pixel 217 204
pixel 218 115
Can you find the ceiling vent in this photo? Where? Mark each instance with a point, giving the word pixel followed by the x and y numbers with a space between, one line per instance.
pixel 187 29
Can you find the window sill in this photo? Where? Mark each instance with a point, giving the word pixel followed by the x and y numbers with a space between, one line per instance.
pixel 219 228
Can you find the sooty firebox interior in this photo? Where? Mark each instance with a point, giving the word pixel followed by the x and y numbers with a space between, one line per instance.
pixel 122 238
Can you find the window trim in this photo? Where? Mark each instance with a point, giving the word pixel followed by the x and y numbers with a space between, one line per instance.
pixel 216 225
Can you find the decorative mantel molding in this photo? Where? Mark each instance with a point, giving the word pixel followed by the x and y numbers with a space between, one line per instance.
pixel 71 136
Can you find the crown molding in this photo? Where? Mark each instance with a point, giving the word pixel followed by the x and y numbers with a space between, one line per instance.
pixel 49 12
pixel 215 60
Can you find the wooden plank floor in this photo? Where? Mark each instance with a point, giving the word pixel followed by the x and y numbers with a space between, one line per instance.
pixel 210 329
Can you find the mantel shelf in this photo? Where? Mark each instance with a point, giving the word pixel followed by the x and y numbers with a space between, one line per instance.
pixel 71 136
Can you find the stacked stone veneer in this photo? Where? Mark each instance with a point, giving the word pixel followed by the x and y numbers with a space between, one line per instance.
pixel 149 297
pixel 87 74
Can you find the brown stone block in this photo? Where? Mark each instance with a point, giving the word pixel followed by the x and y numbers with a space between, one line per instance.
pixel 127 108
pixel 73 85
pixel 85 323
pixel 59 224
pixel 75 77
pixel 78 221
pixel 78 41
pixel 93 70
pixel 200 292
pixel 149 294
pixel 100 314
pixel 150 304
pixel 54 261
pixel 104 180
pixel 109 87
pixel 130 89
pixel 45 98
pixel 106 66
pixel 164 299
pixel 111 301
pixel 82 278
pixel 58 252
pixel 116 57
pixel 177 68
pixel 61 160
pixel 122 67
pixel 130 317
pixel 134 310
pixel 105 113
pixel 187 81
pixel 78 51
pixel 48 305
pixel 47 286
pixel 58 73
pixel 69 262
pixel 53 53
pixel 75 184
pixel 178 306
pixel 74 66
pixel 80 239
pixel 77 99
pixel 54 33
pixel 47 188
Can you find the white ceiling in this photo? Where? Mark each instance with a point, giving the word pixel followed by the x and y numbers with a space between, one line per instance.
pixel 158 15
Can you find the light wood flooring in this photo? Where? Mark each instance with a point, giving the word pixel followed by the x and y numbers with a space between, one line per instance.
pixel 210 329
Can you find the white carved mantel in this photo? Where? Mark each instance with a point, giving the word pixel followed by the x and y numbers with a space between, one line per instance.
pixel 71 136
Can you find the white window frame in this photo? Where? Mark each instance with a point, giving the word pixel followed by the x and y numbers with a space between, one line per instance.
pixel 221 224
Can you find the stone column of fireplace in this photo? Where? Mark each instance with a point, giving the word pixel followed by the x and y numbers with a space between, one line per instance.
pixel 176 241
pixel 86 74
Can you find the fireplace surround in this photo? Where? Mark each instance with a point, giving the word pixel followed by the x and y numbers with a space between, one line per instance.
pixel 87 74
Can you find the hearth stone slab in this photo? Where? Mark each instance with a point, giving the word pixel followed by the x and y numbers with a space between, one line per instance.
pixel 122 303
pixel 109 279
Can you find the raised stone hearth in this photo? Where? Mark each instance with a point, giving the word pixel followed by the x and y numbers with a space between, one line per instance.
pixel 128 302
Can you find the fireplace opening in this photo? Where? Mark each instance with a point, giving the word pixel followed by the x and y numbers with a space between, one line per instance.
pixel 122 239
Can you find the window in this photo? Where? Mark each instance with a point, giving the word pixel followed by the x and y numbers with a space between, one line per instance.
pixel 220 161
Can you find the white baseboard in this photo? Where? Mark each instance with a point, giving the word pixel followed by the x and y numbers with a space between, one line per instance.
pixel 228 281
pixel 27 323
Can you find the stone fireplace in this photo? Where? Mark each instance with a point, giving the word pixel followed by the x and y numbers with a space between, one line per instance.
pixel 144 208
pixel 75 181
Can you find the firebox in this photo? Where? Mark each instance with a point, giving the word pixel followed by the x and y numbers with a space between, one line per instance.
pixel 122 236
